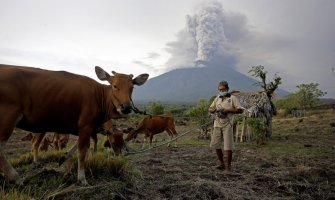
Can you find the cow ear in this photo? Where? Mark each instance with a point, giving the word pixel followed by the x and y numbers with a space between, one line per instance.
pixel 140 79
pixel 101 74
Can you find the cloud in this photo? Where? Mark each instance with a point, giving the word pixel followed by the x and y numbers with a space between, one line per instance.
pixel 153 55
pixel 149 63
pixel 57 61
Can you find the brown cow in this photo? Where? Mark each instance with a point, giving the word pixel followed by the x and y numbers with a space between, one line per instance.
pixel 59 141
pixel 152 125
pixel 41 101
pixel 43 142
pixel 42 145
pixel 115 141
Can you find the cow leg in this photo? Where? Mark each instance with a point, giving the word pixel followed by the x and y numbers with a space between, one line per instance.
pixel 151 136
pixel 56 140
pixel 64 140
pixel 175 134
pixel 172 132
pixel 95 142
pixel 171 136
pixel 83 146
pixel 8 121
pixel 144 141
pixel 37 139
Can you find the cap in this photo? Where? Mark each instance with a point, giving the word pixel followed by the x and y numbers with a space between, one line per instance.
pixel 224 83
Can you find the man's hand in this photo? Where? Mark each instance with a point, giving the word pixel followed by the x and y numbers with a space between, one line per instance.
pixel 222 113
pixel 211 110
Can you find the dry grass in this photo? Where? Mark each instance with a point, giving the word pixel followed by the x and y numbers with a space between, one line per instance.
pixel 108 176
pixel 297 163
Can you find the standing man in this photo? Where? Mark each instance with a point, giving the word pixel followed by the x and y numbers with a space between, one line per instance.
pixel 224 106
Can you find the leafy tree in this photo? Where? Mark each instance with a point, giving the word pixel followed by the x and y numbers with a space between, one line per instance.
pixel 308 94
pixel 289 103
pixel 306 97
pixel 156 108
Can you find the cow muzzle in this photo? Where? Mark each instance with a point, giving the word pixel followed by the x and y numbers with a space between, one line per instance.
pixel 126 109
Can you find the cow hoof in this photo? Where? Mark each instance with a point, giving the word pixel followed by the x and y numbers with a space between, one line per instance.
pixel 36 164
pixel 82 183
pixel 18 182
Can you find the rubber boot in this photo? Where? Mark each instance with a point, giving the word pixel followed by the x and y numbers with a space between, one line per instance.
pixel 219 155
pixel 229 157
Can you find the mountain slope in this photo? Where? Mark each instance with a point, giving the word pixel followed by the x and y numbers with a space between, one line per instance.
pixel 191 84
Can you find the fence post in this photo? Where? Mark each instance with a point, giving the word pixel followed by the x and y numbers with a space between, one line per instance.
pixel 243 128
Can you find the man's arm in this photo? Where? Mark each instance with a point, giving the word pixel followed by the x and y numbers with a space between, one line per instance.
pixel 237 109
pixel 212 107
pixel 234 110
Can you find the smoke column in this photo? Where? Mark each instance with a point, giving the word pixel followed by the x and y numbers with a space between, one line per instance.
pixel 207 29
pixel 208 38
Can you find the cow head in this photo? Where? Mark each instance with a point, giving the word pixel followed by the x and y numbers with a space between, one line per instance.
pixel 115 141
pixel 132 134
pixel 63 140
pixel 121 88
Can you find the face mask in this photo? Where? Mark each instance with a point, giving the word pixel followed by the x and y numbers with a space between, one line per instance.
pixel 223 94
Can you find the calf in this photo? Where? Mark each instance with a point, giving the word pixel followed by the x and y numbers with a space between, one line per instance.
pixel 37 139
pixel 152 125
pixel 115 141
pixel 59 141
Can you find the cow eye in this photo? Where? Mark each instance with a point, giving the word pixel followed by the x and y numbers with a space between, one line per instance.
pixel 115 87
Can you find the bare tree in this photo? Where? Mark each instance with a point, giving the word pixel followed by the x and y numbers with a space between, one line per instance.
pixel 269 88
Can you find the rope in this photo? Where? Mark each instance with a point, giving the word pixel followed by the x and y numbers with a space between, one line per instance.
pixel 73 149
pixel 159 145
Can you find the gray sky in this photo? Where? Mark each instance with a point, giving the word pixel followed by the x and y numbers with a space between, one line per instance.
pixel 292 37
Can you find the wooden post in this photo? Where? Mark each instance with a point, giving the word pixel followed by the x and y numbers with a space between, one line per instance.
pixel 243 128
pixel 236 130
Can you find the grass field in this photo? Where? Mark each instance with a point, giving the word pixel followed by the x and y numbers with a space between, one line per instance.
pixel 298 162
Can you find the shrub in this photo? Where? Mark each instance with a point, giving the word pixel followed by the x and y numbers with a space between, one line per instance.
pixel 258 129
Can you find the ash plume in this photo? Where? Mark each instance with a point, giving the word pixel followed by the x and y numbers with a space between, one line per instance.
pixel 208 37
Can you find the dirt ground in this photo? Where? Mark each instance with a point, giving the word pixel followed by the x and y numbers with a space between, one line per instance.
pixel 187 172
pixel 297 163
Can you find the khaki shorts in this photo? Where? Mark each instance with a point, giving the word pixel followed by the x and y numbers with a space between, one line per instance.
pixel 224 134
